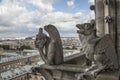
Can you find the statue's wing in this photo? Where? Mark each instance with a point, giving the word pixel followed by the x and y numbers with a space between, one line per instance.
pixel 55 36
pixel 106 45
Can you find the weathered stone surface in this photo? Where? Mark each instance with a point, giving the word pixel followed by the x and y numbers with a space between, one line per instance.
pixel 106 46
pixel 118 27
pixel 99 16
pixel 99 50
pixel 108 75
pixel 57 50
pixel 53 46
pixel 40 43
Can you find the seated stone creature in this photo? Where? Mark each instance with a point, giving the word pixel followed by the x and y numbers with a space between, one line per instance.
pixel 50 48
pixel 100 51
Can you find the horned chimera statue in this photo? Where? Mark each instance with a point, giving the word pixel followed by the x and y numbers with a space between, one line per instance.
pixel 99 52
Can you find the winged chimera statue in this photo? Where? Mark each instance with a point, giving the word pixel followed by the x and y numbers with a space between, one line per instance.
pixel 53 46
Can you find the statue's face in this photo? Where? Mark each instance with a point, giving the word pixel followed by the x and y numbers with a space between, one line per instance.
pixel 40 41
pixel 85 29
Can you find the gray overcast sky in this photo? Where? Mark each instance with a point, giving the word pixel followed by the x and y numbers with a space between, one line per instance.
pixel 21 18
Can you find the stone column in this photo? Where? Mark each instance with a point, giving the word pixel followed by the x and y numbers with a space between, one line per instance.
pixel 106 14
pixel 99 15
pixel 112 25
pixel 110 19
pixel 118 25
pixel 110 10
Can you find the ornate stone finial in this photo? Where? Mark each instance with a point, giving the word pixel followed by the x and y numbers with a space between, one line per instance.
pixel 92 7
pixel 108 19
pixel 106 2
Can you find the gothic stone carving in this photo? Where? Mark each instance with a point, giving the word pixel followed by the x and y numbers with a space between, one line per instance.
pixel 53 46
pixel 106 2
pixel 92 7
pixel 108 19
pixel 100 51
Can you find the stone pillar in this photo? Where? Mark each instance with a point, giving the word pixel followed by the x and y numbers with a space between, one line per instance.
pixel 110 12
pixel 110 19
pixel 118 25
pixel 107 13
pixel 99 15
pixel 112 25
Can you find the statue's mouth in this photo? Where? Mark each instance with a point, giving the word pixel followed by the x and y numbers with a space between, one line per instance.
pixel 78 26
pixel 83 32
pixel 87 33
pixel 78 31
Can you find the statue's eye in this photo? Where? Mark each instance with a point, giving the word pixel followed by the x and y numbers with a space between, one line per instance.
pixel 80 27
pixel 86 26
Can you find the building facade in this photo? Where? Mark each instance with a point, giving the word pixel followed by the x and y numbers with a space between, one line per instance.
pixel 19 67
pixel 107 15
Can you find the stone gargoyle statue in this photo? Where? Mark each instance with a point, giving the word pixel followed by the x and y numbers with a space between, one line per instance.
pixel 100 54
pixel 100 51
pixel 50 48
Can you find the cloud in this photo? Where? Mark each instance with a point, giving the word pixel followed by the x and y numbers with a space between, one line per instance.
pixel 91 1
pixel 42 5
pixel 70 3
pixel 19 18
pixel 65 22
pixel 15 15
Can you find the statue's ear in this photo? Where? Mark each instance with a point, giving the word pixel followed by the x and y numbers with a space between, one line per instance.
pixel 40 30
pixel 92 22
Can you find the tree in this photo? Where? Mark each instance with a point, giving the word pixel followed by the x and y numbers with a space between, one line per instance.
pixel 68 48
pixel 25 47
pixel 73 47
pixel 5 47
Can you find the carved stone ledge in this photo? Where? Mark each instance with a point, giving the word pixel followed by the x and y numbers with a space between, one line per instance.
pixel 110 75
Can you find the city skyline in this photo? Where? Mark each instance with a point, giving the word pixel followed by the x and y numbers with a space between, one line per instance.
pixel 21 18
